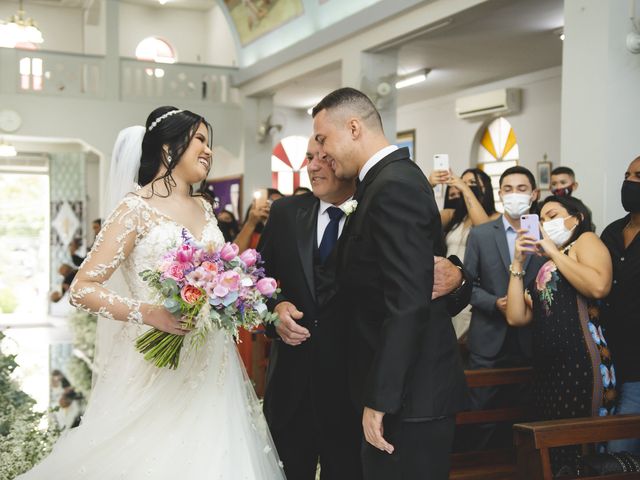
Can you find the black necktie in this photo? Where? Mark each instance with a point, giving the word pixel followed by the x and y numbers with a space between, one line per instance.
pixel 330 235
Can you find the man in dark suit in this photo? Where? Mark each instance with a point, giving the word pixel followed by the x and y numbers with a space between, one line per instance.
pixel 307 402
pixel 491 341
pixel 404 366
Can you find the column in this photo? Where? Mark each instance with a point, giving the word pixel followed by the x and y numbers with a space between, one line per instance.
pixel 257 154
pixel 600 102
pixel 112 57
pixel 367 71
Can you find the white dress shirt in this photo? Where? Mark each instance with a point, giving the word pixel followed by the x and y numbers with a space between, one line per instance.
pixel 324 219
pixel 379 155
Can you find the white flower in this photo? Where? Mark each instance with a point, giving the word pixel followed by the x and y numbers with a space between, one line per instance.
pixel 349 207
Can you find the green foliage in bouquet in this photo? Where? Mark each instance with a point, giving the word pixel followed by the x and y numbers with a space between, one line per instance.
pixel 160 348
pixel 22 442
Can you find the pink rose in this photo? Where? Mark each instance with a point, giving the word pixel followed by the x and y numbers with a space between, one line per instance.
pixel 175 271
pixel 267 286
pixel 184 253
pixel 229 251
pixel 249 257
pixel 230 280
pixel 210 267
pixel 190 294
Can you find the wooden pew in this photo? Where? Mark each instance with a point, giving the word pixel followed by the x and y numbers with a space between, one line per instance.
pixel 490 464
pixel 533 441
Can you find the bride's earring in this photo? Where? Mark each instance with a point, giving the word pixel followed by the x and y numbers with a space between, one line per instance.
pixel 169 159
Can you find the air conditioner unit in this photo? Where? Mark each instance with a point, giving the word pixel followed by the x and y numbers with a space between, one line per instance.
pixel 503 101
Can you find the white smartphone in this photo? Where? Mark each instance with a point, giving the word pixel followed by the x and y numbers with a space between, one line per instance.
pixel 441 161
pixel 260 195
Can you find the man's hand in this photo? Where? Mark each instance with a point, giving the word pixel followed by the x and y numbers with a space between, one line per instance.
pixel 501 304
pixel 288 328
pixel 446 277
pixel 373 429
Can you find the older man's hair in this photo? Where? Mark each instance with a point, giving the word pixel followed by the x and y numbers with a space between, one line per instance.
pixel 352 101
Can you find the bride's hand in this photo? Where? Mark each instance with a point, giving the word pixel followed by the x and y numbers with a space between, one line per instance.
pixel 161 319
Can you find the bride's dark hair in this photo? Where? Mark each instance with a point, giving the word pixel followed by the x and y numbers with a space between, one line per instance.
pixel 170 136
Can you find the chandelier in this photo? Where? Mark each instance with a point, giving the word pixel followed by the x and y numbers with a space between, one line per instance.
pixel 19 30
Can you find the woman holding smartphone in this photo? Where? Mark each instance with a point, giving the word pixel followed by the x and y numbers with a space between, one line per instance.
pixel 468 202
pixel 573 372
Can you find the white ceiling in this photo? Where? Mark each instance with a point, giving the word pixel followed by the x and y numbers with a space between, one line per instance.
pixel 186 4
pixel 499 39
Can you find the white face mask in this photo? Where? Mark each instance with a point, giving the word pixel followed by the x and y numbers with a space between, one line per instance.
pixel 558 233
pixel 516 204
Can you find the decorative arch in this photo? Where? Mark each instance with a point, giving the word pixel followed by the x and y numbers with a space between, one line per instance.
pixel 497 150
pixel 289 164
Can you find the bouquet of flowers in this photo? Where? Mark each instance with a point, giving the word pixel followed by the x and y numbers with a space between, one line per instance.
pixel 208 288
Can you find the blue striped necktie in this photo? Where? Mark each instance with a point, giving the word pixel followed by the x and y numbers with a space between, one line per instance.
pixel 330 235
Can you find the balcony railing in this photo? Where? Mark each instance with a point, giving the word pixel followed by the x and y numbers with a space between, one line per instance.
pixel 72 75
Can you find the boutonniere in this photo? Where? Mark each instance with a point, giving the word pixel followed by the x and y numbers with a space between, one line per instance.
pixel 349 207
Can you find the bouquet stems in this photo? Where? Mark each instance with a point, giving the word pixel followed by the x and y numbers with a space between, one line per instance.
pixel 161 348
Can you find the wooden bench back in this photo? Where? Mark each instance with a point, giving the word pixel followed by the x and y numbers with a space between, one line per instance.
pixel 490 464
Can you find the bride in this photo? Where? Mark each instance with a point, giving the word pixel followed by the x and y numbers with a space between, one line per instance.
pixel 202 420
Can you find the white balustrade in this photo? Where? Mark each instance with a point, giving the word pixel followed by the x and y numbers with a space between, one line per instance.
pixel 72 75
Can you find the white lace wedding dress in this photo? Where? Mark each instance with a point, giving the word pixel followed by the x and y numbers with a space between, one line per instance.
pixel 200 421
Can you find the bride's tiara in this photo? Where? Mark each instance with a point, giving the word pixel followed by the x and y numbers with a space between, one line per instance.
pixel 162 117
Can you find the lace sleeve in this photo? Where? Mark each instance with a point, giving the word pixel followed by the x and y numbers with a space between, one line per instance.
pixel 117 238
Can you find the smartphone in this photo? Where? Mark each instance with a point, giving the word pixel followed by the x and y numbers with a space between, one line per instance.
pixel 260 195
pixel 531 223
pixel 441 161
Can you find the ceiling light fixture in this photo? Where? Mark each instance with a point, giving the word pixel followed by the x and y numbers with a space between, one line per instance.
pixel 19 29
pixel 162 2
pixel 7 150
pixel 413 78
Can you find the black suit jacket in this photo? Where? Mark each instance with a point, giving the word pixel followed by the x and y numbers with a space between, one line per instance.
pixel 287 248
pixel 403 356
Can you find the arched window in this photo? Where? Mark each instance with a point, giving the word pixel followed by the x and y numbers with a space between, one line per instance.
pixel 155 49
pixel 289 164
pixel 498 150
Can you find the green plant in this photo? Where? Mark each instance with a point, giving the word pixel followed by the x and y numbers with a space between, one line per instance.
pixel 23 443
pixel 84 338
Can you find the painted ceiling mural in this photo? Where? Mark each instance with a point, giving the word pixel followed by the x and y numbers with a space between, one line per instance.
pixel 265 27
pixel 254 18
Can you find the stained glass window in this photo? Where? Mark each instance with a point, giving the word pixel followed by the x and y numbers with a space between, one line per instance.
pixel 498 150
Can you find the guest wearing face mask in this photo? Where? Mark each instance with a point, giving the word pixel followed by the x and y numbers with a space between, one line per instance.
pixel 574 375
pixel 621 313
pixel 468 202
pixel 563 182
pixel 491 342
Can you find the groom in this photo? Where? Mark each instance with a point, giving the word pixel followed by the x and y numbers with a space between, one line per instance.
pixel 404 366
